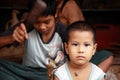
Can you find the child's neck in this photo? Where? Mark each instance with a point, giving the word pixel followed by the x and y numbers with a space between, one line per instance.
pixel 79 72
pixel 75 66
pixel 47 37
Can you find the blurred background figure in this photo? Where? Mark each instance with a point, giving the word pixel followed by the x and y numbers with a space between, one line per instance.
pixel 14 19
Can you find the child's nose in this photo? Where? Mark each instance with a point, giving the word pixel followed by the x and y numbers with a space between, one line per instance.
pixel 43 26
pixel 81 49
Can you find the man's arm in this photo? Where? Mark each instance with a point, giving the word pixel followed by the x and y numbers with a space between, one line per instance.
pixel 73 12
pixel 5 40
pixel 19 34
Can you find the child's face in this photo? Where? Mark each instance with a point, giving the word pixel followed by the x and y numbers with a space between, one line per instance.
pixel 45 24
pixel 80 47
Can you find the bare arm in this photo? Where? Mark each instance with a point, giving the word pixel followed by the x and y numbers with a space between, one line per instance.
pixel 72 12
pixel 105 65
pixel 5 40
pixel 19 35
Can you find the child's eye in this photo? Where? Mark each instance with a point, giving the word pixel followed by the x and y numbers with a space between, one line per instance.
pixel 47 22
pixel 87 45
pixel 74 44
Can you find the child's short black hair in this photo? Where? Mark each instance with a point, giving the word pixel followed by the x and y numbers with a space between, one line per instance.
pixel 42 8
pixel 81 26
pixel 50 8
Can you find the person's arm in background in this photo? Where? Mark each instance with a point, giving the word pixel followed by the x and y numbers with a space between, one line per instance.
pixel 18 34
pixel 72 12
pixel 105 65
pixel 6 37
pixel 5 40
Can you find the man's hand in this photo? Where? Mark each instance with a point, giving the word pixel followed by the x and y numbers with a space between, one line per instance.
pixel 20 33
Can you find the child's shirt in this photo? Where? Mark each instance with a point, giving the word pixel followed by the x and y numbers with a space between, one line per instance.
pixel 37 52
pixel 63 73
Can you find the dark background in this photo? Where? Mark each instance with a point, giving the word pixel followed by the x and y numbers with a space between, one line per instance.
pixel 94 11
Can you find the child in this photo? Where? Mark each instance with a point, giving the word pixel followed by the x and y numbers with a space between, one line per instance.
pixel 69 11
pixel 80 47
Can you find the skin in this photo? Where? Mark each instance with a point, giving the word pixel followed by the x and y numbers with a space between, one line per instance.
pixel 44 25
pixel 71 12
pixel 106 64
pixel 5 40
pixel 80 49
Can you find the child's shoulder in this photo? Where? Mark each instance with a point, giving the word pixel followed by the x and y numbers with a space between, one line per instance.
pixel 96 72
pixel 61 68
pixel 96 68
pixel 62 72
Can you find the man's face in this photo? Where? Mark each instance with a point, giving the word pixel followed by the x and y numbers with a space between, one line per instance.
pixel 45 25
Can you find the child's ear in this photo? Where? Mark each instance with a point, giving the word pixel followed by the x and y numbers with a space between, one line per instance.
pixel 66 47
pixel 94 48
